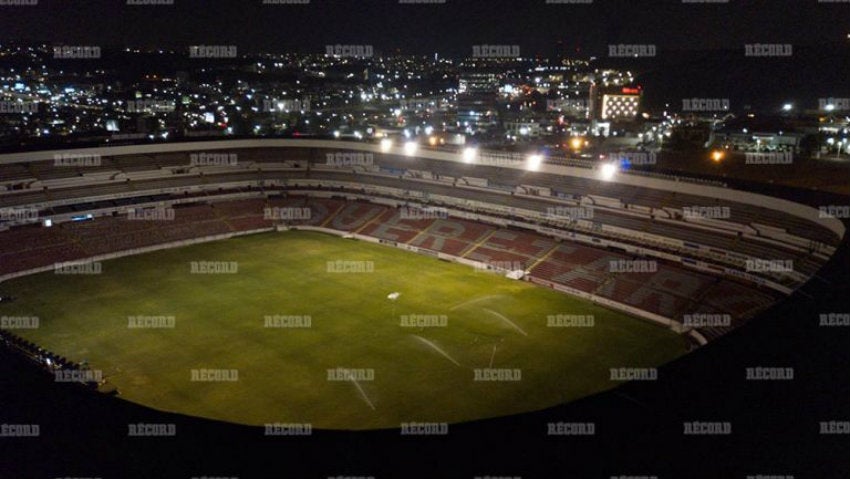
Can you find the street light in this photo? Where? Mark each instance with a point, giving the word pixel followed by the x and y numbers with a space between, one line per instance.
pixel 576 142
pixel 717 156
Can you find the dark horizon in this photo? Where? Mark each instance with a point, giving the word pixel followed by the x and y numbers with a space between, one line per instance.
pixel 450 28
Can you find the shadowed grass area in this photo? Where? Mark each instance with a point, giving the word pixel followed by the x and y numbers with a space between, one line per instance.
pixel 410 374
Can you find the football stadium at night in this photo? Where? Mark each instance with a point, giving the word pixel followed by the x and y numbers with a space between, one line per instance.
pixel 559 255
pixel 352 285
pixel 282 245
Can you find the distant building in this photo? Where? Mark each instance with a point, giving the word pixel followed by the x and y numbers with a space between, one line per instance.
pixel 759 134
pixel 615 103
pixel 523 128
pixel 761 141
pixel 835 126
pixel 573 106
pixel 478 91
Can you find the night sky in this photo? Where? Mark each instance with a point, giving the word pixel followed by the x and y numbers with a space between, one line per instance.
pixel 450 28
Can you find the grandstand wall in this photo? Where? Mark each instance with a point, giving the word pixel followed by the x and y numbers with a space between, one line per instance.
pixel 672 185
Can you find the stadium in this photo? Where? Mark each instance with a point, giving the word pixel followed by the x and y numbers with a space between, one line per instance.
pixel 360 285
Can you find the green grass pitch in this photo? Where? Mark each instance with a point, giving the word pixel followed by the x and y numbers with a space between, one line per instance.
pixel 412 374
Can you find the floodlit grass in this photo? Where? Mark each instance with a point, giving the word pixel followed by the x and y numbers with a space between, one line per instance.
pixel 283 372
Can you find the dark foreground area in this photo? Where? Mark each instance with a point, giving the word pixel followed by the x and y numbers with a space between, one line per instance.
pixel 775 425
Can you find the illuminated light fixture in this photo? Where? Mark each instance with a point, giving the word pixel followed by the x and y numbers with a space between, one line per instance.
pixel 470 154
pixel 432 141
pixel 717 156
pixel 534 162
pixel 608 171
pixel 386 144
pixel 410 148
pixel 576 142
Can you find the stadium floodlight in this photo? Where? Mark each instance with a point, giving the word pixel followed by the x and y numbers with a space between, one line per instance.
pixel 534 162
pixel 410 148
pixel 470 153
pixel 608 171
pixel 386 144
